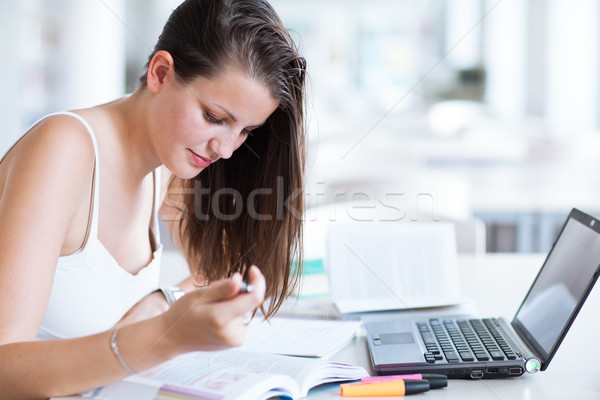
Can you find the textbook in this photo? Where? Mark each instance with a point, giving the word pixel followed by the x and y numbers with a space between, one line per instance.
pixel 229 375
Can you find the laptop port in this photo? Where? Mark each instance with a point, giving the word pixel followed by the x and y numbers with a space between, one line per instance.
pixel 476 375
pixel 492 370
pixel 515 371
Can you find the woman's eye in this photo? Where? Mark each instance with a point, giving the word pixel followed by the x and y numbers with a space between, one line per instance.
pixel 212 119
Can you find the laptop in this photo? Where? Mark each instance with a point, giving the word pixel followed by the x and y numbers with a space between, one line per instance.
pixel 492 347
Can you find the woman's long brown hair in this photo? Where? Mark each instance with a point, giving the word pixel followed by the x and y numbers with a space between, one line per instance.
pixel 246 210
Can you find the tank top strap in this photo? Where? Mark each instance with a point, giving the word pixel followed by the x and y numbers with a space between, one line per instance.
pixel 156 174
pixel 92 230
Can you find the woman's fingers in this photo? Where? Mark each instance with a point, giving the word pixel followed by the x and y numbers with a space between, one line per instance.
pixel 212 317
pixel 247 302
pixel 257 280
pixel 220 290
pixel 232 288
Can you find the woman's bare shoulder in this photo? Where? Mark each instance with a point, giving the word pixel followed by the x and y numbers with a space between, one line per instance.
pixel 58 139
pixel 57 151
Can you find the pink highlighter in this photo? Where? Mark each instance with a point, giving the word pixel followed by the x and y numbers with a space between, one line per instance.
pixel 435 380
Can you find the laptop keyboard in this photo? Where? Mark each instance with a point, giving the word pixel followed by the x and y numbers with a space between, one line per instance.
pixel 464 340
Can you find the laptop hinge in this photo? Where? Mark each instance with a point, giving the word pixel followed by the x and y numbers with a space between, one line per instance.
pixel 521 346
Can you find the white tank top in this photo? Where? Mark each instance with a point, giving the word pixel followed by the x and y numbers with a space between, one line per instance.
pixel 91 291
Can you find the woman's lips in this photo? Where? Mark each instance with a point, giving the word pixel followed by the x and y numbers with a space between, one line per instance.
pixel 199 160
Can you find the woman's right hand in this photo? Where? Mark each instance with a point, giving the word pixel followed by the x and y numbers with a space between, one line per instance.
pixel 212 317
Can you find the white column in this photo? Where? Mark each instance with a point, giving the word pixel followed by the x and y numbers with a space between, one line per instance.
pixel 537 60
pixel 88 66
pixel 463 33
pixel 10 100
pixel 505 57
pixel 573 67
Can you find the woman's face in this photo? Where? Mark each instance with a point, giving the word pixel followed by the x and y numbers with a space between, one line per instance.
pixel 198 123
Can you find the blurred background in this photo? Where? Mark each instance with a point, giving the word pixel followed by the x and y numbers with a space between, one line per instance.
pixel 465 110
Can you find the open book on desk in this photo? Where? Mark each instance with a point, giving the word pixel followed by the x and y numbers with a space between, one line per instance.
pixel 229 375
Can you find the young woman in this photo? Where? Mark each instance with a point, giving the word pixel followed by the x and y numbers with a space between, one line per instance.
pixel 220 112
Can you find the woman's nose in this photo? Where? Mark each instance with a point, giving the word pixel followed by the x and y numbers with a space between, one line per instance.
pixel 226 144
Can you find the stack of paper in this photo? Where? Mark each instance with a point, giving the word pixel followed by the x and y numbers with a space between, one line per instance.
pixel 299 337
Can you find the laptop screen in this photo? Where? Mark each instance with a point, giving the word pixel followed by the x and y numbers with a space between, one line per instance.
pixel 562 285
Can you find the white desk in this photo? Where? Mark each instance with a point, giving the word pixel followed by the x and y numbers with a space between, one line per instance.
pixel 497 284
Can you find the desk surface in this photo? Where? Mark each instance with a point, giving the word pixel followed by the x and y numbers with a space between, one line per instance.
pixel 497 284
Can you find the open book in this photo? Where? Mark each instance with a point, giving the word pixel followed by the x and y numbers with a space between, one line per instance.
pixel 229 375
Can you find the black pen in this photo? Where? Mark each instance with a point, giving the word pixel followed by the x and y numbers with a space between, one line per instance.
pixel 435 380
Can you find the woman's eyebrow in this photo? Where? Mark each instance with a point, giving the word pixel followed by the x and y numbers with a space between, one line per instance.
pixel 230 115
pixel 256 126
pixel 234 119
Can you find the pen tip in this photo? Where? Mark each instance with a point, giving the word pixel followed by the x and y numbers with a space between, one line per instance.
pixel 246 288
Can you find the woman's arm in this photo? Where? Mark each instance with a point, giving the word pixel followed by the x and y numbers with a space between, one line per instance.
pixel 42 369
pixel 48 172
pixel 210 318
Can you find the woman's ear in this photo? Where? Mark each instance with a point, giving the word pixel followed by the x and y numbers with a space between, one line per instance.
pixel 158 70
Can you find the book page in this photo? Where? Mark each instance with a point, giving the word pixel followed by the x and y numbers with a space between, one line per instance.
pixel 384 266
pixel 228 375
pixel 261 362
pixel 326 373
pixel 134 387
pixel 210 375
pixel 201 378
pixel 299 337
pixel 306 372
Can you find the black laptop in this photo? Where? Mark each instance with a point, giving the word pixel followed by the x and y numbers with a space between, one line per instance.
pixel 492 347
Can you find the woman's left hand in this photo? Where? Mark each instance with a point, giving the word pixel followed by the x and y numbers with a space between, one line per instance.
pixel 150 306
